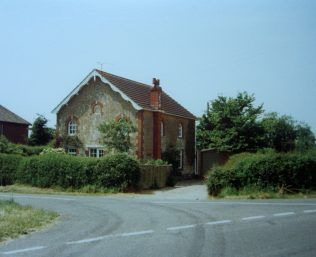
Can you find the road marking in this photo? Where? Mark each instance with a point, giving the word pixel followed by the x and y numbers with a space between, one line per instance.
pixel 37 197
pixel 234 203
pixel 95 239
pixel 283 214
pixel 89 240
pixel 309 211
pixel 181 227
pixel 138 233
pixel 25 250
pixel 218 222
pixel 253 218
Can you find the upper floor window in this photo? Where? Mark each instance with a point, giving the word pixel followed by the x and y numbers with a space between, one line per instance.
pixel 180 131
pixel 72 128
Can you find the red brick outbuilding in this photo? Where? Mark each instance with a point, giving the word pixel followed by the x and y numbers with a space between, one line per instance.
pixel 13 127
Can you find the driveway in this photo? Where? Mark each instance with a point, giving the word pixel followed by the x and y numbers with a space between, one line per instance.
pixel 185 190
pixel 169 223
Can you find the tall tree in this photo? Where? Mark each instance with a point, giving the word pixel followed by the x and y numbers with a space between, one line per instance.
pixel 116 134
pixel 41 134
pixel 231 124
pixel 305 138
pixel 279 132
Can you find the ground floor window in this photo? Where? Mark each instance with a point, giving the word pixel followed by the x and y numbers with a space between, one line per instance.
pixel 96 152
pixel 72 151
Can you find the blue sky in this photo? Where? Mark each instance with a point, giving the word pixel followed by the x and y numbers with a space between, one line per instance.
pixel 199 49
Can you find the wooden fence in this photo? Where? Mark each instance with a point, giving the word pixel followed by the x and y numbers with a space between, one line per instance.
pixel 154 176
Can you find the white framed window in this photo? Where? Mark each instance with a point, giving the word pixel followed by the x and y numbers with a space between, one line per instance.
pixel 181 158
pixel 162 129
pixel 180 131
pixel 72 128
pixel 72 151
pixel 96 152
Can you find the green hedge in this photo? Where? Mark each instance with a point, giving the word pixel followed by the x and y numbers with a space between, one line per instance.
pixel 9 164
pixel 118 171
pixel 274 171
pixel 50 170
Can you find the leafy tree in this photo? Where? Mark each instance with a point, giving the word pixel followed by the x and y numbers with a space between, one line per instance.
pixel 172 156
pixel 305 138
pixel 279 132
pixel 41 134
pixel 231 124
pixel 116 134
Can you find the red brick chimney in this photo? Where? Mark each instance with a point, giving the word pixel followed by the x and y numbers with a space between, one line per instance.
pixel 155 95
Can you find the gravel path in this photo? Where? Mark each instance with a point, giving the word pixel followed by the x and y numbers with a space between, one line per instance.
pixel 184 190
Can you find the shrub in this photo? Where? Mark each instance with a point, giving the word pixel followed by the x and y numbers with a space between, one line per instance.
pixel 280 172
pixel 60 170
pixel 25 150
pixel 118 171
pixel 56 170
pixel 8 168
pixel 152 162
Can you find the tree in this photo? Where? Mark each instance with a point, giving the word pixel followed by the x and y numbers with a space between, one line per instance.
pixel 305 138
pixel 279 132
pixel 231 124
pixel 41 134
pixel 116 134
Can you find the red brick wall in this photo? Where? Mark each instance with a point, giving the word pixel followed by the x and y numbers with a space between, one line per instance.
pixel 14 132
pixel 154 144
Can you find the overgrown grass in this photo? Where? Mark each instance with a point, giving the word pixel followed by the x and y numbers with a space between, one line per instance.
pixel 252 192
pixel 18 220
pixel 88 189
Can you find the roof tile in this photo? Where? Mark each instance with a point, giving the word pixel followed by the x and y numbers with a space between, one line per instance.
pixel 8 116
pixel 140 94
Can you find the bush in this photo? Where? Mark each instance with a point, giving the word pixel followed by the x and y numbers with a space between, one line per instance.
pixel 8 168
pixel 27 150
pixel 280 172
pixel 53 169
pixel 118 171
pixel 7 147
pixel 60 170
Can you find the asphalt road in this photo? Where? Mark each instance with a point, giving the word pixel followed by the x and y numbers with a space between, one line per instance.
pixel 161 225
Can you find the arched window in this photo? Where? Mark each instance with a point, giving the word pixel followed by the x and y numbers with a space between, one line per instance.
pixel 72 128
pixel 162 129
pixel 180 130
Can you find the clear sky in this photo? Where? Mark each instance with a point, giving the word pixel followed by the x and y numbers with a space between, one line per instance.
pixel 199 49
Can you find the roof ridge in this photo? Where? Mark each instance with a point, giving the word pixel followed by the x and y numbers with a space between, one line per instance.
pixel 142 84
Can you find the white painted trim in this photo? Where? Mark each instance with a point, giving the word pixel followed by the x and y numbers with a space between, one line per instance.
pixel 93 74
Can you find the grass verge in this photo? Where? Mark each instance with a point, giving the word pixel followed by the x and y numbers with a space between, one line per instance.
pixel 26 189
pixel 18 220
pixel 255 193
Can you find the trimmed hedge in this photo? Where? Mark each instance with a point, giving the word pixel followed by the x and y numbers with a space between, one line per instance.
pixel 278 172
pixel 9 164
pixel 49 170
pixel 118 171
pixel 56 170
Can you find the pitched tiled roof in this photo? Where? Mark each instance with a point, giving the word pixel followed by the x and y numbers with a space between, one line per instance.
pixel 8 116
pixel 140 94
